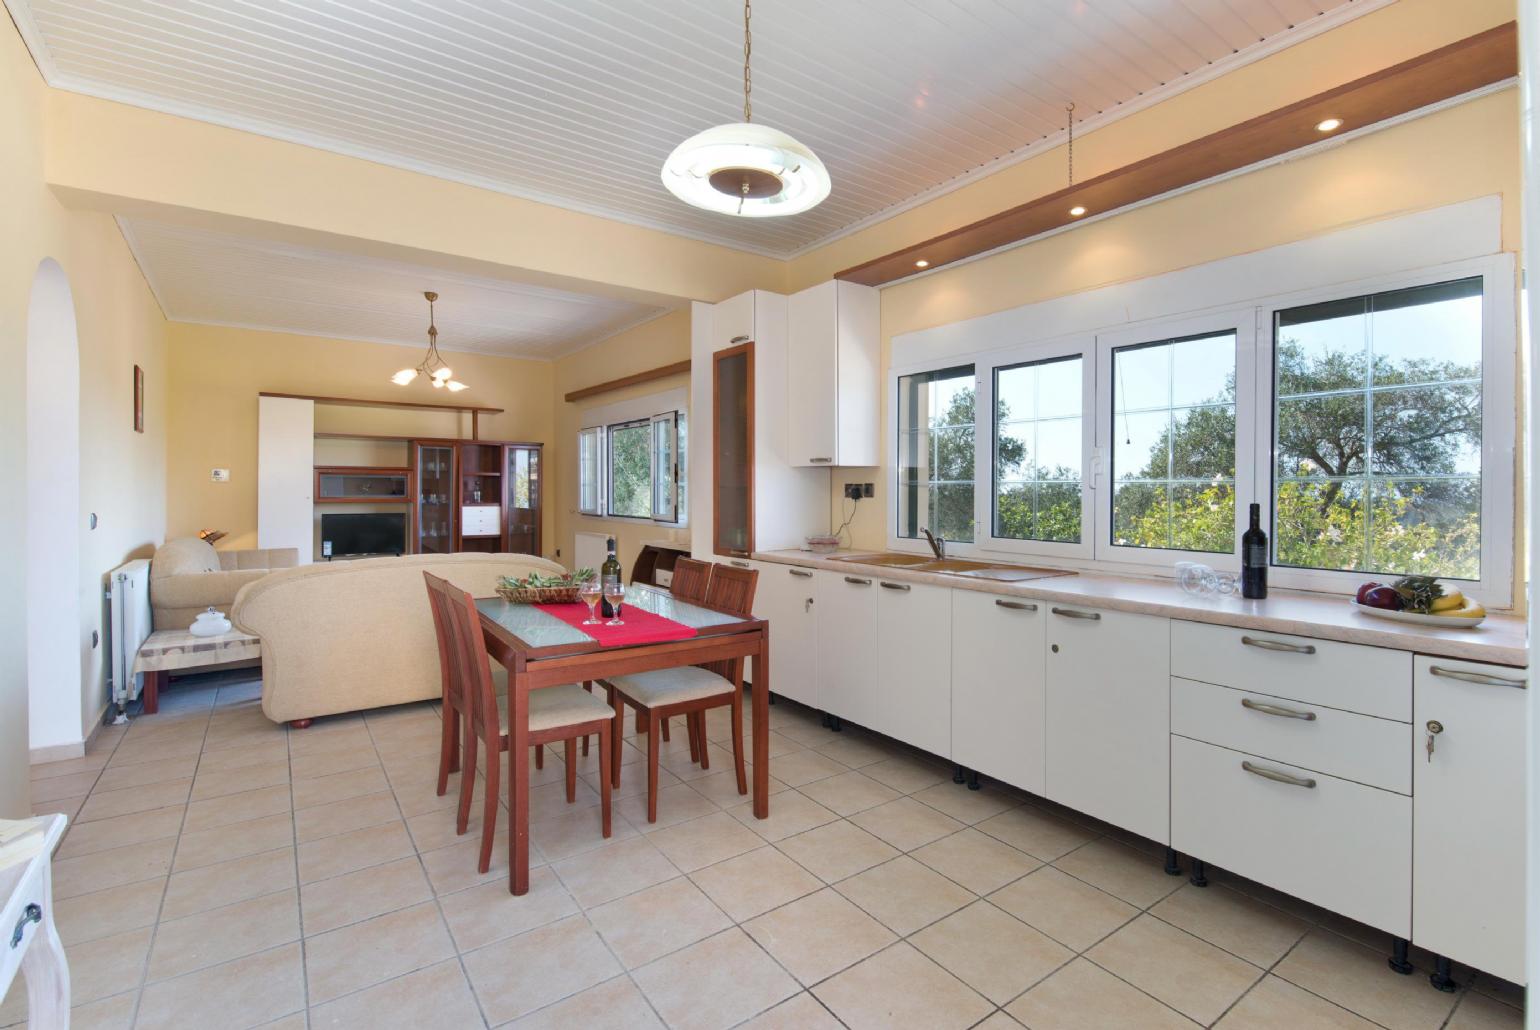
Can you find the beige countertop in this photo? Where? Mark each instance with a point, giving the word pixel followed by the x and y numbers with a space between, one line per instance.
pixel 1501 639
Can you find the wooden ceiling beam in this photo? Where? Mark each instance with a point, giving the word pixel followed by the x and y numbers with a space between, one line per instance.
pixel 1480 60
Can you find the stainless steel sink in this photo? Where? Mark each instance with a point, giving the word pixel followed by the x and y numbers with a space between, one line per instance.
pixel 888 560
pixel 952 566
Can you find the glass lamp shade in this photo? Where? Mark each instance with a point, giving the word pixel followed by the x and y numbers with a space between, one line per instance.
pixel 403 377
pixel 455 386
pixel 442 372
pixel 748 170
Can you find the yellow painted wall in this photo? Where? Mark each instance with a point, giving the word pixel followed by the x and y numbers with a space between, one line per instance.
pixel 663 341
pixel 217 372
pixel 122 472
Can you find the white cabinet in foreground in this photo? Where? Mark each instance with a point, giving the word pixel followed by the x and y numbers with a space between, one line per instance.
pixel 847 645
pixel 998 698
pixel 914 665
pixel 784 596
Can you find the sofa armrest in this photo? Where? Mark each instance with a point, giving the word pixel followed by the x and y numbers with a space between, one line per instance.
pixel 259 558
pixel 205 589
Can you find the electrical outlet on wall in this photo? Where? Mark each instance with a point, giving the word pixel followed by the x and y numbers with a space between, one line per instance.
pixel 219 475
pixel 856 491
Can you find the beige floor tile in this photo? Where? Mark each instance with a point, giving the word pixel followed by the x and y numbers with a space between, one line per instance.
pixel 456 867
pixel 906 823
pixel 1192 976
pixel 678 761
pixel 705 841
pixel 819 935
pixel 357 896
pixel 353 850
pixel 354 957
pixel 1354 977
pixel 248 992
pixel 715 984
pixel 909 774
pixel 967 806
pixel 107 965
pixel 1136 877
pixel 436 829
pixel 901 987
pixel 721 788
pixel 526 973
pixel 654 922
pixel 1275 1004
pixel 323 790
pixel 676 804
pixel 342 816
pixel 438 996
pixel 88 917
pixel 198 890
pixel 104 804
pixel 252 837
pixel 67 767
pixel 551 800
pixel 265 753
pixel 1479 1012
pixel 1083 996
pixel 67 807
pixel 1503 990
pixel 487 913
pixel 222 934
pixel 976 860
pixel 755 882
pixel 849 793
pixel 904 894
pixel 114 1013
pixel 1071 912
pixel 573 833
pixel 89 838
pixel 632 785
pixel 67 786
pixel 1040 834
pixel 219 782
pixel 114 867
pixel 145 773
pixel 994 953
pixel 802 1012
pixel 326 763
pixel 837 850
pixel 237 808
pixel 856 750
pixel 1258 933
pixel 614 871
pixel 613 1005
pixel 803 767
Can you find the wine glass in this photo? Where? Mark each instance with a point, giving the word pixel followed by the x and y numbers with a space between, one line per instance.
pixel 614 593
pixel 589 594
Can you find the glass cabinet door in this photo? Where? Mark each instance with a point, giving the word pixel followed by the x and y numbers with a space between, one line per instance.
pixel 522 479
pixel 435 465
pixel 732 480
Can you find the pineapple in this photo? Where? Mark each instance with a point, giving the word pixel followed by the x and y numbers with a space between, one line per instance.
pixel 1418 593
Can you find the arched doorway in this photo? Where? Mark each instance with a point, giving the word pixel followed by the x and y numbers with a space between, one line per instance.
pixel 53 512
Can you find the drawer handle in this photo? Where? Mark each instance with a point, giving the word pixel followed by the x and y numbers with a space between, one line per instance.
pixel 740 564
pixel 1276 776
pixel 739 339
pixel 858 581
pixel 1278 710
pixel 893 586
pixel 1278 645
pixel 803 573
pixel 1476 677
pixel 1016 606
pixel 33 913
pixel 1070 613
pixel 821 461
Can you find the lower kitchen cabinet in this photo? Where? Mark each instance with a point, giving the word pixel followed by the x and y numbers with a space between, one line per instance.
pixel 784 597
pixel 846 606
pixel 1109 716
pixel 998 690
pixel 1468 808
pixel 914 665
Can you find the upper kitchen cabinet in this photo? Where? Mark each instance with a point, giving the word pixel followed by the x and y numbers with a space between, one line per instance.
pixel 833 357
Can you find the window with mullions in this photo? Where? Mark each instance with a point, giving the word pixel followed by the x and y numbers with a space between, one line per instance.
pixel 1173 451
pixel 936 454
pixel 1037 450
pixel 1377 432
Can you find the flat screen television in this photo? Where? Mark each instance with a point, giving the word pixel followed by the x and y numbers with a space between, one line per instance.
pixel 376 532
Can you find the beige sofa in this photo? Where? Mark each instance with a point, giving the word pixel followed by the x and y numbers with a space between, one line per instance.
pixel 188 576
pixel 348 636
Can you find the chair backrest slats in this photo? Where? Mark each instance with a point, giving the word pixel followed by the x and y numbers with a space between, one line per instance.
pixel 731 590
pixel 472 668
pixel 690 579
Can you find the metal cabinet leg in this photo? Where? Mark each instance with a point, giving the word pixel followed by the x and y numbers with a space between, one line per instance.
pixel 1173 867
pixel 973 779
pixel 1398 960
pixel 1441 977
pixel 1199 877
pixel 959 774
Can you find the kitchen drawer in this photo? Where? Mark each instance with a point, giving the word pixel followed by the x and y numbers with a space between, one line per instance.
pixel 1350 677
pixel 479 520
pixel 1338 844
pixel 1361 748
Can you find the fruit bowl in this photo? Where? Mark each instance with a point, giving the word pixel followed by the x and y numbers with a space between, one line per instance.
pixel 1452 621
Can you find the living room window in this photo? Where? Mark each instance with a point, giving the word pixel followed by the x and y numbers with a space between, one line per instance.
pixel 631 463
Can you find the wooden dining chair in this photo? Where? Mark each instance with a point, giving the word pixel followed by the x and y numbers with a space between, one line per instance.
pixel 690 581
pixel 562 713
pixel 452 702
pixel 689 690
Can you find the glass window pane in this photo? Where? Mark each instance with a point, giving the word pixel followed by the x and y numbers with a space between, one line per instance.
pixel 1431 334
pixel 1427 430
pixel 1322 347
pixel 1430 527
pixel 1058 512
pixel 630 470
pixel 1141 516
pixel 1059 443
pixel 1203 443
pixel 1322 436
pixel 936 434
pixel 1140 446
pixel 664 439
pixel 1320 524
pixel 1030 448
pixel 588 471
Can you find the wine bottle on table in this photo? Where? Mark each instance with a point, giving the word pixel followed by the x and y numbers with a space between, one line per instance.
pixel 1254 557
pixel 609 575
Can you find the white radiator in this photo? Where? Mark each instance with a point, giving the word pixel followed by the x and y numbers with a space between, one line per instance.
pixel 129 592
pixel 589 550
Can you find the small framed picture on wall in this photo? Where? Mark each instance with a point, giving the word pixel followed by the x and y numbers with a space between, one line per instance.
pixel 138 399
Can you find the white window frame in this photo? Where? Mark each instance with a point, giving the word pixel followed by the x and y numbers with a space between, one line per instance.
pixel 652 410
pixel 596 434
pixel 892 446
pixel 666 423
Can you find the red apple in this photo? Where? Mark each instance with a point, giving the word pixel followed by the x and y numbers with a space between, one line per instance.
pixel 1364 590
pixel 1384 597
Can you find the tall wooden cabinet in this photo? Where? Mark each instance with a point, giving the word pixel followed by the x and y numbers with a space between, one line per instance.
pixel 476 495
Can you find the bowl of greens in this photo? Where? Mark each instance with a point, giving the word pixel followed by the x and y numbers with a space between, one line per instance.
pixel 538 588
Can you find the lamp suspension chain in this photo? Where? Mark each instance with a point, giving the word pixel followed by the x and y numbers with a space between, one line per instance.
pixel 748 50
pixel 1070 112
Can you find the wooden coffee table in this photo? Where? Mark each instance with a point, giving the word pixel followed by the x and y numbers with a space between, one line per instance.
pixel 176 650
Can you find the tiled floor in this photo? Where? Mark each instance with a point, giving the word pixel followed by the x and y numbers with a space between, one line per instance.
pixel 221 871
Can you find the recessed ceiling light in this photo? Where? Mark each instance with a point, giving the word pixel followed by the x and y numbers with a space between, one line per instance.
pixel 1329 125
pixel 922 263
pixel 1076 211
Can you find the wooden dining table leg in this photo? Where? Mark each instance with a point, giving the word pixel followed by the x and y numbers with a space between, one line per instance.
pixel 761 696
pixel 518 776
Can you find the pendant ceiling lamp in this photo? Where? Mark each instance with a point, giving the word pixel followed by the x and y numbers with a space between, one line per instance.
pixel 744 169
pixel 432 365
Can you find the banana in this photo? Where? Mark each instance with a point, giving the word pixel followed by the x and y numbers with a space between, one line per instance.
pixel 1472 610
pixel 1450 601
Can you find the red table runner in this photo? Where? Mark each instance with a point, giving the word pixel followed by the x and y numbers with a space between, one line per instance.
pixel 639 626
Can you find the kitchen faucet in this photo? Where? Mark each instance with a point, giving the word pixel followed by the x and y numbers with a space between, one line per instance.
pixel 937 546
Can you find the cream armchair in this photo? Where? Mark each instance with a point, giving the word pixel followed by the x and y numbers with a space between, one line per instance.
pixel 187 576
pixel 353 635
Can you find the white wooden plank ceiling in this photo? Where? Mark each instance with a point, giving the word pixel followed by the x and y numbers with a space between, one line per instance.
pixel 577 102
pixel 222 279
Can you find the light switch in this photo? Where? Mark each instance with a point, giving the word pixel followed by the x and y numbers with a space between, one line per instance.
pixel 220 475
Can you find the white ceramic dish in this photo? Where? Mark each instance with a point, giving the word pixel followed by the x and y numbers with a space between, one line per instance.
pixel 1451 621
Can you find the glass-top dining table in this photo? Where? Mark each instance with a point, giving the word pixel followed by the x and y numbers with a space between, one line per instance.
pixel 539 650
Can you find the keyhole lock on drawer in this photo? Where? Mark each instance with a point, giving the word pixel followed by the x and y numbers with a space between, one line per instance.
pixel 1055 648
pixel 1434 729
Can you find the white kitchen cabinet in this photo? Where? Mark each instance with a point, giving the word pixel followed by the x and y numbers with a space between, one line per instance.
pixel 999 702
pixel 1109 716
pixel 847 645
pixel 1468 814
pixel 784 596
pixel 834 351
pixel 732 321
pixel 914 665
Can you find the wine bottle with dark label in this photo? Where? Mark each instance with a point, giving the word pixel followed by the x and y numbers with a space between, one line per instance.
pixel 1254 557
pixel 609 575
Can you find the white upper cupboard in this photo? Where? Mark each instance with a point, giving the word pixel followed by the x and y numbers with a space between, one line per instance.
pixel 1109 717
pixel 834 353
pixel 914 665
pixel 998 689
pixel 286 474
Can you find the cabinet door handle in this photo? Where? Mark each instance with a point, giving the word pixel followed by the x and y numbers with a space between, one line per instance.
pixel 739 339
pixel 802 573
pixel 1278 710
pixel 858 581
pixel 1071 613
pixel 1278 645
pixel 1016 606
pixel 821 461
pixel 894 586
pixel 1476 677
pixel 740 564
pixel 1276 776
